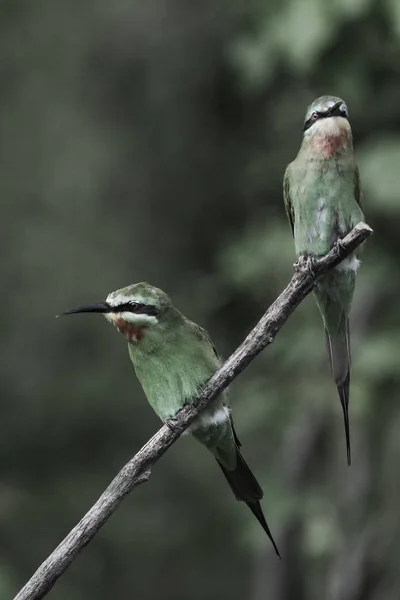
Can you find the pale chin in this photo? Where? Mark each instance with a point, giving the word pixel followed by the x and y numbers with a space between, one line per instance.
pixel 331 126
pixel 111 317
pixel 141 320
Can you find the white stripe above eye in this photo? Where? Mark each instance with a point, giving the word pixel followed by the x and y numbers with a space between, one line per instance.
pixel 116 300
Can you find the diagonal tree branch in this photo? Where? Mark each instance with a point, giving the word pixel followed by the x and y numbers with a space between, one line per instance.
pixel 137 470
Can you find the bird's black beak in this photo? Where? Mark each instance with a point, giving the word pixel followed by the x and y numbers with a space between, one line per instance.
pixel 100 307
pixel 335 111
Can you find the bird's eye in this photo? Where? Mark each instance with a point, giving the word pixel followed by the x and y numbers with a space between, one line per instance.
pixel 135 306
pixel 314 116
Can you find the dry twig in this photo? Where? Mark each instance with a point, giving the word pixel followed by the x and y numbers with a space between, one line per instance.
pixel 137 470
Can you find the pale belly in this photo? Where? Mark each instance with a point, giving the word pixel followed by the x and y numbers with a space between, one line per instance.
pixel 325 210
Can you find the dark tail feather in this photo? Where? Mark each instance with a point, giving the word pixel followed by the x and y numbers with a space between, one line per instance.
pixel 256 509
pixel 343 390
pixel 247 489
pixel 339 357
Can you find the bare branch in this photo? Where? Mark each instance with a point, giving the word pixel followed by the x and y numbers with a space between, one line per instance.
pixel 137 470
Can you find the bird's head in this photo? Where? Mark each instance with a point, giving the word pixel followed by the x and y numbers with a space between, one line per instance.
pixel 326 125
pixel 133 310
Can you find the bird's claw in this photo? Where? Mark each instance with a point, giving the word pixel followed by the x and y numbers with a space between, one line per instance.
pixel 305 264
pixel 172 424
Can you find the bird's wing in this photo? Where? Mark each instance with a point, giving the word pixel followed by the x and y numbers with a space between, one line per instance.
pixel 287 199
pixel 204 334
pixel 237 441
pixel 357 188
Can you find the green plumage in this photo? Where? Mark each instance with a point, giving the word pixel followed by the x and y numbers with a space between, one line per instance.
pixel 173 357
pixel 172 362
pixel 323 202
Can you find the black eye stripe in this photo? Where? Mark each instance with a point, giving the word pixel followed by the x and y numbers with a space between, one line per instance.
pixel 137 308
pixel 334 111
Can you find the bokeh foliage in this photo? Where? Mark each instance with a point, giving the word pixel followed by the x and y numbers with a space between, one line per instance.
pixel 148 141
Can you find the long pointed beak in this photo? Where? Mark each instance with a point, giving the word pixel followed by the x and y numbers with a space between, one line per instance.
pixel 100 307
pixel 334 111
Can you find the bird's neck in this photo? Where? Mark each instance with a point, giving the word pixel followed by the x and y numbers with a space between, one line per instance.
pixel 133 333
pixel 155 339
pixel 327 142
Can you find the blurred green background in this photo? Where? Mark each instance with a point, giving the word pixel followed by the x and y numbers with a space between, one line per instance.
pixel 148 141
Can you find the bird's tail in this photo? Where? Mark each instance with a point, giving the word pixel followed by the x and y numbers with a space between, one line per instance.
pixel 247 489
pixel 338 347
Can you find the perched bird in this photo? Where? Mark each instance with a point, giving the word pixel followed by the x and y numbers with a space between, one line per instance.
pixel 173 357
pixel 322 197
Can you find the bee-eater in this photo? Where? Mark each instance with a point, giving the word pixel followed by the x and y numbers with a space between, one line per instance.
pixel 173 357
pixel 322 197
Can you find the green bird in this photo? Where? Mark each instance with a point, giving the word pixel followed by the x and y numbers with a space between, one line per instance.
pixel 173 357
pixel 322 197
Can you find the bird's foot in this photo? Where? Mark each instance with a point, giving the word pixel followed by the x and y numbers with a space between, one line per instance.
pixel 305 264
pixel 172 424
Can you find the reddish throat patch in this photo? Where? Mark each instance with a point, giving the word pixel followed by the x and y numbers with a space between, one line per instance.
pixel 133 333
pixel 328 145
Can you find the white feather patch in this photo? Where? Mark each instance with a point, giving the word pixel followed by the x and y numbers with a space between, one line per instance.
pixel 349 264
pixel 208 420
pixel 141 320
pixel 116 300
pixel 333 126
